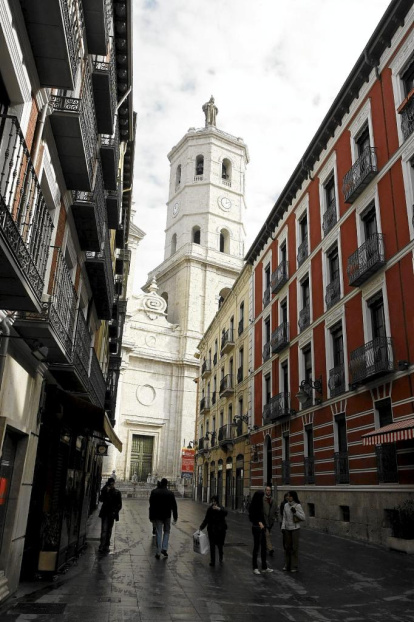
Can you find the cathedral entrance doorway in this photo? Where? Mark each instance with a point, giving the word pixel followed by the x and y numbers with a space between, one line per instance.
pixel 141 457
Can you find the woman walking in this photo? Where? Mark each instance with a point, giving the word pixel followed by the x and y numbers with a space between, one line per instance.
pixel 293 515
pixel 215 521
pixel 257 519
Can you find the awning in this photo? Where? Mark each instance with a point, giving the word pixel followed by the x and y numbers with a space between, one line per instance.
pixel 397 431
pixel 110 433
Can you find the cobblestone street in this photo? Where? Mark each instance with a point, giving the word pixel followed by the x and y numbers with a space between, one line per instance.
pixel 339 580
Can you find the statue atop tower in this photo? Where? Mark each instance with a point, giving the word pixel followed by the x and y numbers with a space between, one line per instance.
pixel 211 111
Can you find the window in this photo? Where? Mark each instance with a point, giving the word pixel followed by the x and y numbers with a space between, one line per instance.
pixel 304 313
pixel 241 318
pixel 199 165
pixel 196 235
pixel 283 311
pixel 384 412
pixel 309 441
pixel 174 244
pixel 369 222
pixel 408 79
pixel 267 389
pixel 333 288
pixel 307 362
pixel 224 241
pixel 362 141
pixel 309 459
pixel 303 239
pixel 178 177
pixel 230 414
pixel 283 252
pixel 329 199
pixel 341 463
pixel 226 170
pixel 267 276
pixel 221 418
pixel 376 308
pixel 267 329
pixel 305 292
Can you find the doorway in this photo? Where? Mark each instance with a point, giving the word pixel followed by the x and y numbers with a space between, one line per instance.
pixel 141 457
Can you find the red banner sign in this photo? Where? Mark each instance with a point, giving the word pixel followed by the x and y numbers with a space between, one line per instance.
pixel 187 461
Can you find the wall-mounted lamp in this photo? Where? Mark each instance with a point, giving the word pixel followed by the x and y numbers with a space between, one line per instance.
pixel 403 365
pixel 238 418
pixel 252 429
pixel 305 390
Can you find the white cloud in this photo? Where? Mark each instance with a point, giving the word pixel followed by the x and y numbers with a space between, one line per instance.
pixel 274 69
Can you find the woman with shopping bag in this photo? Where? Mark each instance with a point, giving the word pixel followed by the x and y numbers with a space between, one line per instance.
pixel 215 521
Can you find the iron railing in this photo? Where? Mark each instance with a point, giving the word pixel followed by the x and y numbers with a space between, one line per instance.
pixel 304 318
pixel 25 222
pixel 72 14
pixel 111 142
pixel 226 433
pixel 341 465
pixel 226 384
pixel 387 466
pixel 104 257
pixel 266 296
pixel 303 252
pixel 336 382
pixel 60 310
pixel 333 293
pixel 82 348
pixel 280 276
pixel 204 403
pixel 97 385
pixel 309 469
pixel 329 217
pixel 227 339
pixel 108 68
pixel 279 406
pixel 280 337
pixel 97 198
pixel 285 472
pixel 206 367
pixel 407 119
pixel 361 173
pixel 266 351
pixel 366 260
pixel 373 358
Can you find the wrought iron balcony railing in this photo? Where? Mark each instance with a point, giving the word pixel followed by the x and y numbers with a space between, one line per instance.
pixel 333 293
pixel 304 318
pixel 267 408
pixel 201 443
pixel 366 260
pixel 227 341
pixel 105 92
pixel 226 386
pixel 336 382
pixel 112 378
pixel 266 296
pixel 279 406
pixel 280 338
pixel 266 351
pixel 303 252
pixel 82 349
pixel 97 385
pixel 206 368
pixel 285 472
pixel 109 152
pixel 88 209
pixel 407 119
pixel 359 176
pixel 25 223
pixel 341 466
pixel 329 217
pixel 205 404
pixel 387 466
pixel 226 433
pixel 372 359
pixel 309 469
pixel 101 279
pixel 280 276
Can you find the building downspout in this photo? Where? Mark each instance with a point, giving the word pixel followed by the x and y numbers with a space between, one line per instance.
pixel 4 342
pixel 45 112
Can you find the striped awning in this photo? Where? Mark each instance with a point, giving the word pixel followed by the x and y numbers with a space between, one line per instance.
pixel 397 431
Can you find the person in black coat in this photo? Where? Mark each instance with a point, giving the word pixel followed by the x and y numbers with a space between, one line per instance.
pixel 162 504
pixel 256 516
pixel 111 505
pixel 215 521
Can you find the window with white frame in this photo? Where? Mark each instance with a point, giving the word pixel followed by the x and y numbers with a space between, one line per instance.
pixel 303 246
pixel 330 215
pixel 333 277
pixel 336 380
pixel 304 301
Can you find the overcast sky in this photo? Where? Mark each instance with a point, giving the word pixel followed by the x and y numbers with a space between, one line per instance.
pixel 274 68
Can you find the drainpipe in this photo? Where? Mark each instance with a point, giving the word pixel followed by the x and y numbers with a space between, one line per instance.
pixel 4 342
pixel 45 112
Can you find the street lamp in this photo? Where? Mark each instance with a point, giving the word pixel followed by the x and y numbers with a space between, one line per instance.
pixel 306 387
pixel 238 418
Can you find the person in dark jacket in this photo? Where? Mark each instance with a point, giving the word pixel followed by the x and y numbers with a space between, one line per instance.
pixel 111 505
pixel 162 504
pixel 257 519
pixel 215 521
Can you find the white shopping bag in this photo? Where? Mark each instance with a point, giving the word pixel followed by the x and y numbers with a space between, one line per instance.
pixel 200 543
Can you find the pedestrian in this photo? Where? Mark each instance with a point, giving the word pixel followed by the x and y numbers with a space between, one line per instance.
pixel 111 505
pixel 113 475
pixel 293 514
pixel 215 521
pixel 256 516
pixel 154 531
pixel 270 514
pixel 281 508
pixel 162 504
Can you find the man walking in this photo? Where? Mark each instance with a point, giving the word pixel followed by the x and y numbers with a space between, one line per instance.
pixel 111 504
pixel 270 514
pixel 162 504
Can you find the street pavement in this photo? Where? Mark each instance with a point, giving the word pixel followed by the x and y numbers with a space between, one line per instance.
pixel 338 581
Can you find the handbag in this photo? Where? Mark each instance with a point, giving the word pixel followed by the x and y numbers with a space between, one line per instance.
pixel 296 519
pixel 201 543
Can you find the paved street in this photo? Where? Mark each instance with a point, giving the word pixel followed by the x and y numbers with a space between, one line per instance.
pixel 338 580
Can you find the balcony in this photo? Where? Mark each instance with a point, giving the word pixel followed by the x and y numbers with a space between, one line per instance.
pixel 387 466
pixel 101 279
pixel 266 352
pixel 113 203
pixel 120 236
pixel 109 152
pixel 205 404
pixel 375 358
pixel 309 470
pixel 329 217
pixel 226 434
pixel 55 40
pixel 97 15
pixel 304 318
pixel 226 386
pixel 336 382
pixel 123 259
pixel 266 296
pixel 206 369
pixel 333 293
pixel 278 407
pixel 201 444
pixel 367 260
pixel 303 252
pixel 25 224
pixel 280 338
pixel 407 119
pixel 74 129
pixel 227 341
pixel 280 276
pixel 341 467
pixel 104 93
pixel 239 375
pixel 97 384
pixel 88 210
pixel 285 472
pixel 112 378
pixel 359 176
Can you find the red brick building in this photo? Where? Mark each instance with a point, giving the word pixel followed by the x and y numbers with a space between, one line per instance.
pixel 334 299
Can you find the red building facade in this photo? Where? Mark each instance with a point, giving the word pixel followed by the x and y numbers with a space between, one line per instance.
pixel 333 303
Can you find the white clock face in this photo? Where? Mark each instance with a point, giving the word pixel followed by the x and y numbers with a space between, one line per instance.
pixel 225 203
pixel 175 209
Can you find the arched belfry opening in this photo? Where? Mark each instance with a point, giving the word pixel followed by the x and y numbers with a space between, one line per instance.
pixel 226 171
pixel 173 243
pixel 224 241
pixel 199 167
pixel 196 235
pixel 178 177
